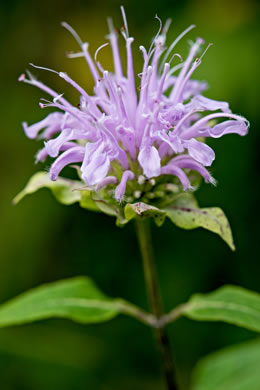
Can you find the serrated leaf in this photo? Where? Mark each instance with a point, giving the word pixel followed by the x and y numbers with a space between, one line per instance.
pixel 232 304
pixel 233 368
pixel 62 189
pixel 77 299
pixel 141 209
pixel 185 213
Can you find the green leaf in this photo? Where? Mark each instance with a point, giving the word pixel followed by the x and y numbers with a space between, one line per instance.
pixel 141 209
pixel 233 368
pixel 87 202
pixel 185 213
pixel 231 304
pixel 77 299
pixel 62 189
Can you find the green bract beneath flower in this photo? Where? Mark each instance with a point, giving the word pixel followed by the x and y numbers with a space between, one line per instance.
pixel 181 208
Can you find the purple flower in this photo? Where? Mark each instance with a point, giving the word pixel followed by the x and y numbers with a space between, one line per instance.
pixel 126 131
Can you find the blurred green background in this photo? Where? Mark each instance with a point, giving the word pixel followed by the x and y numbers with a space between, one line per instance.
pixel 42 241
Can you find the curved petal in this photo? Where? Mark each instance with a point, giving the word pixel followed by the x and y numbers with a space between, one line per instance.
pixel 120 189
pixel 90 149
pixel 188 162
pixel 72 155
pixel 54 120
pixel 228 127
pixel 96 170
pixel 172 169
pixel 200 151
pixel 150 161
pixel 54 146
pixel 43 154
pixel 108 180
pixel 173 141
pixel 202 103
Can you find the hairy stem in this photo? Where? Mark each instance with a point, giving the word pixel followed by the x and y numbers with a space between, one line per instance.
pixel 155 302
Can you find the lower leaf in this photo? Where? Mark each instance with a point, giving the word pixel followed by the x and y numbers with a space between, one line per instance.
pixel 232 304
pixel 234 368
pixel 77 299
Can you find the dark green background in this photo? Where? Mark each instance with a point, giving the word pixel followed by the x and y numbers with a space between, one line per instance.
pixel 43 241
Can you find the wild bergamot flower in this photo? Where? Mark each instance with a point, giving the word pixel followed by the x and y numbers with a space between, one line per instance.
pixel 135 141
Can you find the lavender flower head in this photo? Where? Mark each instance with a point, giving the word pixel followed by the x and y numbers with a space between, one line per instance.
pixel 135 140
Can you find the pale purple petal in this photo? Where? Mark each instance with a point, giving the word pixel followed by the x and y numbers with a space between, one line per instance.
pixel 108 180
pixel 164 150
pixel 188 162
pixel 54 120
pixel 120 189
pixel 54 146
pixel 96 170
pixel 174 142
pixel 193 87
pixel 150 161
pixel 202 103
pixel 43 154
pixel 200 152
pixel 90 149
pixel 176 171
pixel 227 127
pixel 72 155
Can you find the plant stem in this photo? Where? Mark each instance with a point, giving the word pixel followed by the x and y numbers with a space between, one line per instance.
pixel 155 301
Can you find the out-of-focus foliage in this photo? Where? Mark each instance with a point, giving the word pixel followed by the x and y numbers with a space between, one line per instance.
pixel 42 241
pixel 234 368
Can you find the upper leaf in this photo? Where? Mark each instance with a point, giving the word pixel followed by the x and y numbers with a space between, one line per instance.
pixel 77 299
pixel 231 304
pixel 234 368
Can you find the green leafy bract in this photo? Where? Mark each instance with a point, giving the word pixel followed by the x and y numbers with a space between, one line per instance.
pixel 185 213
pixel 183 210
pixel 62 189
pixel 86 201
pixel 234 368
pixel 232 304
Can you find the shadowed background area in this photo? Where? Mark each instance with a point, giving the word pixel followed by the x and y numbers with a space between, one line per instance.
pixel 42 241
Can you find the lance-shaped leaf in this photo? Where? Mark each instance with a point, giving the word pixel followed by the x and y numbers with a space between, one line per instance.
pixel 232 304
pixel 77 299
pixel 234 368
pixel 185 213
